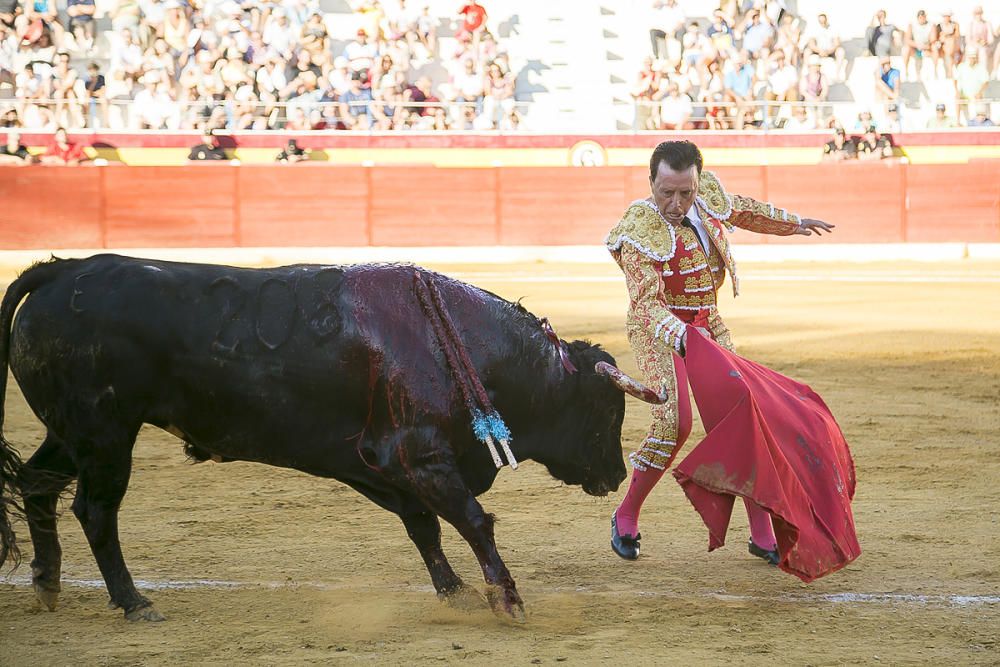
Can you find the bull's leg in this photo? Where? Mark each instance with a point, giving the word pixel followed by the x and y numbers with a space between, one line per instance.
pixel 47 473
pixel 104 474
pixel 442 489
pixel 425 531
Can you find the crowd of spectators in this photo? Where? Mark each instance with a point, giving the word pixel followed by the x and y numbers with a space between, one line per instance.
pixel 253 64
pixel 754 63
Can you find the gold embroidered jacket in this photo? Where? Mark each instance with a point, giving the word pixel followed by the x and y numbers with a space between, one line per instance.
pixel 666 268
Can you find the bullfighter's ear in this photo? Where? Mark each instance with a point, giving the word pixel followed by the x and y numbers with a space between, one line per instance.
pixel 630 385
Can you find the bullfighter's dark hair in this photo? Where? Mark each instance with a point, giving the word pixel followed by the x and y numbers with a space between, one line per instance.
pixel 679 155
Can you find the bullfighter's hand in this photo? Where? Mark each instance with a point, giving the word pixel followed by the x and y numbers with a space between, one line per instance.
pixel 809 226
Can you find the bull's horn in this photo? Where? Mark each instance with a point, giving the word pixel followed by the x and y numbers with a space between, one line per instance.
pixel 630 385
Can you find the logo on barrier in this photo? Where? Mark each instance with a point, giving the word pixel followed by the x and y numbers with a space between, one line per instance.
pixel 588 154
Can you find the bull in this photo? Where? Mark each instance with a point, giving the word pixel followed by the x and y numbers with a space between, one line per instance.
pixel 340 372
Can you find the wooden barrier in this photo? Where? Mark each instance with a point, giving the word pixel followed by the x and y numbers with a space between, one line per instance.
pixel 319 205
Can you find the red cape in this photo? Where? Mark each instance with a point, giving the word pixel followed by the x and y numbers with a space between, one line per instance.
pixel 772 440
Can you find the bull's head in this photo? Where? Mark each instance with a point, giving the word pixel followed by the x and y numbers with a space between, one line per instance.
pixel 592 454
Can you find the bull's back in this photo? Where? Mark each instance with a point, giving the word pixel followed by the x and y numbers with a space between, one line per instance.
pixel 238 360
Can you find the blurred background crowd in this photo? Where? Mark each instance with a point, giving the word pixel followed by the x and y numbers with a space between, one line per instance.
pixel 251 65
pixel 372 65
pixel 756 63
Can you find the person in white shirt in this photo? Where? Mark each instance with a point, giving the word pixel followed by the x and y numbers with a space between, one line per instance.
pixel 782 82
pixel 666 26
pixel 152 106
pixel 361 53
pixel 279 33
pixel 675 109
pixel 823 41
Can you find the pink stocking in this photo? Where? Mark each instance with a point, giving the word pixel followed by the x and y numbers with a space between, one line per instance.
pixel 627 514
pixel 761 529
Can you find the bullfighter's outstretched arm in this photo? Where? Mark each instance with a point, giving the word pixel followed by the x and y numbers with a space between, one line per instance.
pixel 750 214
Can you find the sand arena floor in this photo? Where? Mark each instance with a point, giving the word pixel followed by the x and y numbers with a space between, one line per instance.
pixel 256 565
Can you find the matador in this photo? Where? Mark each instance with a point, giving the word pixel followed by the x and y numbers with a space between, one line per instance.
pixel 674 251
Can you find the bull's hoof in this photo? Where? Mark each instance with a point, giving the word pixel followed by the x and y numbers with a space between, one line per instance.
pixel 464 598
pixel 506 603
pixel 146 612
pixel 47 596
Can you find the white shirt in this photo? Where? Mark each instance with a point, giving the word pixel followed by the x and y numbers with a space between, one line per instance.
pixel 699 228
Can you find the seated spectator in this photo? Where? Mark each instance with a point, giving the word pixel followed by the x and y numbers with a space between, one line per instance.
pixel 712 96
pixel 209 150
pixel 887 82
pixel 126 55
pixel 498 95
pixel 427 31
pixel 152 106
pixel 361 53
pixel 81 22
pixel 814 87
pixel 468 86
pixel 881 36
pixel 971 80
pixel 872 146
pixel 355 105
pixel 864 120
pixel 789 38
pixel 667 20
pixel 950 39
pixel 67 91
pixel 981 119
pixel 292 153
pixel 941 120
pixel 758 33
pixel 40 17
pixel 822 41
pixel 421 93
pixel 979 37
pixel 13 152
pixel 34 91
pixel 675 110
pixel 10 119
pixel 314 37
pixel 918 42
pixel 841 148
pixel 96 95
pixel 721 35
pixel 893 121
pixel 782 82
pixel 473 20
pixel 739 86
pixel 63 151
pixel 697 46
pixel 799 121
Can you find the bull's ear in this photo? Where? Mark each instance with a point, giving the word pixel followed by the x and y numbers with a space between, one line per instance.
pixel 630 385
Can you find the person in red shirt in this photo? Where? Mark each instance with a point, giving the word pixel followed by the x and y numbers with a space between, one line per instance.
pixel 62 151
pixel 473 18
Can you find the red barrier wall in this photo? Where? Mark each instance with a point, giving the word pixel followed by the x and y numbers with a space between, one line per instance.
pixel 319 205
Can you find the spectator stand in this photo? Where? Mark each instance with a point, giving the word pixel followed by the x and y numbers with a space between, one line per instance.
pixel 626 26
pixel 181 69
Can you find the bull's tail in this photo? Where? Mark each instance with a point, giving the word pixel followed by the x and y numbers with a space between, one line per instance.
pixel 10 460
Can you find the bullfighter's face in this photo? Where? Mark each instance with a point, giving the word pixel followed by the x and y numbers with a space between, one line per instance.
pixel 674 191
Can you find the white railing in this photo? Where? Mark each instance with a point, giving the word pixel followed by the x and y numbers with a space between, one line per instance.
pixel 506 116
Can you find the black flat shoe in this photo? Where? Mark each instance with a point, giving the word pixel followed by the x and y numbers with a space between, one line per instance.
pixel 625 546
pixel 772 557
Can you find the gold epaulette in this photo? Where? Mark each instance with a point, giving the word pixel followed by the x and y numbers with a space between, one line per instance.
pixel 714 199
pixel 643 228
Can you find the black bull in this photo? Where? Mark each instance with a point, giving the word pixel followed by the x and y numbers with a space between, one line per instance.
pixel 333 371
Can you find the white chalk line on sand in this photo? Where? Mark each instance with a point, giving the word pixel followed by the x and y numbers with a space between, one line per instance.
pixel 499 277
pixel 947 600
